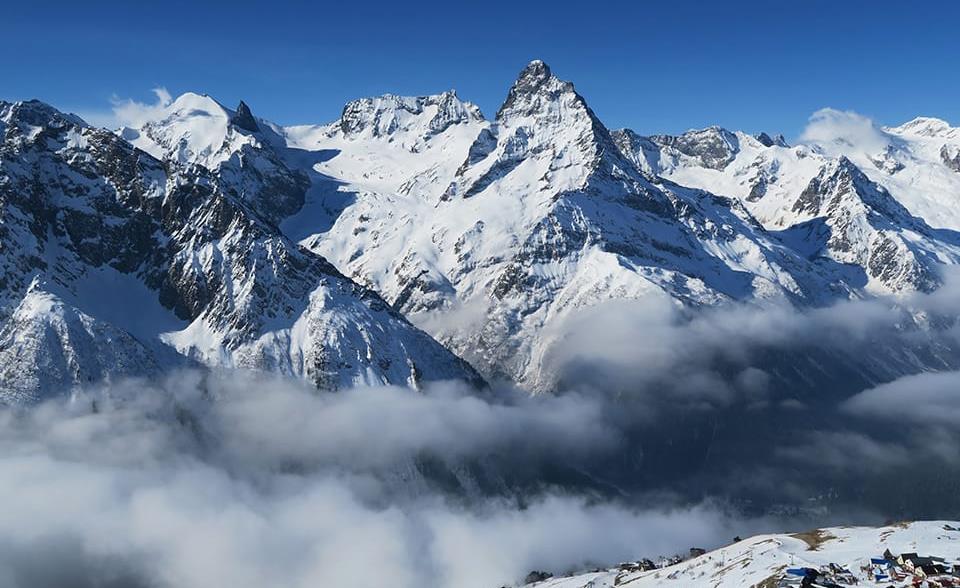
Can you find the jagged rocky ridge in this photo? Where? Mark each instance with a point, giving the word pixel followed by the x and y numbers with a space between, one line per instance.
pixel 115 263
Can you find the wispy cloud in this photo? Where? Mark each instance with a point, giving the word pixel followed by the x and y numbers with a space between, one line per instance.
pixel 128 112
pixel 836 131
pixel 928 398
pixel 131 113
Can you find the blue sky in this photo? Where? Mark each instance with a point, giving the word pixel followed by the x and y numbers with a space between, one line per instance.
pixel 656 67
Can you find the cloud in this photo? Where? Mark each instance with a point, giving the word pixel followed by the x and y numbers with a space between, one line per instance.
pixel 462 316
pixel 551 535
pixel 711 358
pixel 751 402
pixel 244 479
pixel 846 451
pixel 670 357
pixel 249 481
pixel 128 112
pixel 837 131
pixel 381 426
pixel 909 424
pixel 925 399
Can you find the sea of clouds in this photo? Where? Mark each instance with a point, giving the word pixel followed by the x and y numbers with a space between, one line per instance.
pixel 248 480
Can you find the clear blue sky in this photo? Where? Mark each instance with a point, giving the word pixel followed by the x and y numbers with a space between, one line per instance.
pixel 661 66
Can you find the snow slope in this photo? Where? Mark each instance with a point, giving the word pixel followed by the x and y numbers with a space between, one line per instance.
pixel 915 162
pixel 760 561
pixel 196 129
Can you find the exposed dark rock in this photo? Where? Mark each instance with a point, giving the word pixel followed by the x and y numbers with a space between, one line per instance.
pixel 531 80
pixel 244 119
pixel 537 576
pixel 950 154
pixel 383 115
pixel 768 141
pixel 758 189
pixel 713 147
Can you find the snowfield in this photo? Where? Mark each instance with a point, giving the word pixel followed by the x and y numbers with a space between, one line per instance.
pixel 763 561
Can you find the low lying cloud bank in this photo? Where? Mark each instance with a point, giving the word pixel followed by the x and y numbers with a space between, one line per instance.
pixel 249 481
pixel 668 420
pixel 653 350
pixel 808 411
pixel 930 398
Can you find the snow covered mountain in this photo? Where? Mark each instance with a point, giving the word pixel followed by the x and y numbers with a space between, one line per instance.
pixel 771 561
pixel 492 234
pixel 115 263
pixel 863 204
pixel 241 152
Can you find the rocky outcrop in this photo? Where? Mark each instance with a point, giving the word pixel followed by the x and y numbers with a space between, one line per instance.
pixel 382 116
pixel 950 155
pixel 243 119
pixel 713 147
pixel 864 226
pixel 768 141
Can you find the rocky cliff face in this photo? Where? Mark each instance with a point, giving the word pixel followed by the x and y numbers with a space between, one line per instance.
pixel 712 148
pixel 950 155
pixel 423 116
pixel 88 216
pixel 856 222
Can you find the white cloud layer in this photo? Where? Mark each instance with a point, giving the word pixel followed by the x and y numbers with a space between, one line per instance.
pixel 653 349
pixel 274 485
pixel 928 398
pixel 247 480
pixel 128 112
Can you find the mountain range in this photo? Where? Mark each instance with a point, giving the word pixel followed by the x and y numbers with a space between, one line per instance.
pixel 413 239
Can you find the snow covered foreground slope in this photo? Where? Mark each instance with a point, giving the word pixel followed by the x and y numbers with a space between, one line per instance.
pixel 762 561
pixel 114 264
